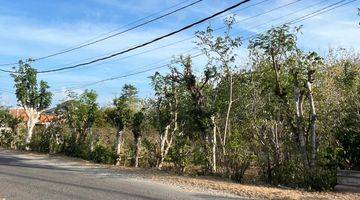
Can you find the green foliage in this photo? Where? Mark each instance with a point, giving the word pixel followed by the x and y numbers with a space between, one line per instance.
pixel 276 42
pixel 322 179
pixel 348 134
pixel 28 92
pixel 181 153
pixel 80 113
pixel 124 107
pixel 150 155
pixel 9 124
pixel 103 154
pixel 238 158
pixel 71 148
pixel 40 141
pixel 137 121
pixel 268 126
pixel 7 120
pixel 6 137
pixel 166 89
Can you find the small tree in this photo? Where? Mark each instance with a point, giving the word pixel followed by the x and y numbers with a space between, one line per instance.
pixel 137 122
pixel 220 54
pixel 120 115
pixel 80 114
pixel 33 97
pixel 201 111
pixel 167 110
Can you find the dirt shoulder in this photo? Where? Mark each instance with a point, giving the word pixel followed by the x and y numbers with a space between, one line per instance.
pixel 194 184
pixel 249 191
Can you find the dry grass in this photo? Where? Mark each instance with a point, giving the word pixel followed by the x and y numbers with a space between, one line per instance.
pixel 243 190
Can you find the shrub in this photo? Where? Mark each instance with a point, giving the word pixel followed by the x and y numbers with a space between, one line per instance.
pixel 102 154
pixel 150 155
pixel 238 158
pixel 321 179
pixel 6 137
pixel 40 141
pixel 349 139
pixel 71 148
pixel 289 173
pixel 180 154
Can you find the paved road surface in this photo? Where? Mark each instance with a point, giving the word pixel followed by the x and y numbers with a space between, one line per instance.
pixel 29 176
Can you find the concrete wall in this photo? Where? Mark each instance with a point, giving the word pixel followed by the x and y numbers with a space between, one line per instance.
pixel 348 180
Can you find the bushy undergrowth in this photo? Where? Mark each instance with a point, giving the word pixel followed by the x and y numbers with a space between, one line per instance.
pixel 79 150
pixel 6 137
pixel 40 141
pixel 103 154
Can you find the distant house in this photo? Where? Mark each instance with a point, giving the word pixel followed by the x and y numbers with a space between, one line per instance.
pixel 45 119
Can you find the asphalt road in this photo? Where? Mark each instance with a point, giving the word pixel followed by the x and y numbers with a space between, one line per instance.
pixel 31 176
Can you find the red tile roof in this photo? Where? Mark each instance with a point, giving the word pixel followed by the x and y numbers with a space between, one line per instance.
pixel 21 114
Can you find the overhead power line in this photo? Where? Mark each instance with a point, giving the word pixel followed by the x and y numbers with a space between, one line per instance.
pixel 222 27
pixel 112 34
pixel 338 4
pixel 191 37
pixel 173 43
pixel 119 33
pixel 149 42
pixel 7 71
pixel 297 20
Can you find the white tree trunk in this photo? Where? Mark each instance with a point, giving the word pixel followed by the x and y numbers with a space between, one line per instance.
pixel 30 129
pixel 299 126
pixel 163 141
pixel 33 118
pixel 118 141
pixel 214 143
pixel 137 151
pixel 227 121
pixel 312 124
pixel 92 139
pixel 166 139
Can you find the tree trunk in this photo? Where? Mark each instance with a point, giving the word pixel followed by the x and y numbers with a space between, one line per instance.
pixel 118 141
pixel 312 123
pixel 214 143
pixel 227 121
pixel 30 130
pixel 77 138
pixel 137 143
pixel 33 117
pixel 299 126
pixel 167 138
pixel 279 90
pixel 163 141
pixel 14 130
pixel 275 133
pixel 92 140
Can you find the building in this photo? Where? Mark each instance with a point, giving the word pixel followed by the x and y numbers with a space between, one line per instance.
pixel 45 119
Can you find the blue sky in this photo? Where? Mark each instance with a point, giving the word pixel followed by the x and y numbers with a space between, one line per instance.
pixel 34 28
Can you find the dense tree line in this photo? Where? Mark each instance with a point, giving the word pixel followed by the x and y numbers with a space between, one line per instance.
pixel 291 116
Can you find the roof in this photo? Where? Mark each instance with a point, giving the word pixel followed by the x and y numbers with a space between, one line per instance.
pixel 21 114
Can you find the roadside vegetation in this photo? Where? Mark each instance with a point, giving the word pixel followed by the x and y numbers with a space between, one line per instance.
pixel 288 116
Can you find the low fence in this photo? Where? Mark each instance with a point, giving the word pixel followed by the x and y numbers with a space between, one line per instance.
pixel 348 180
